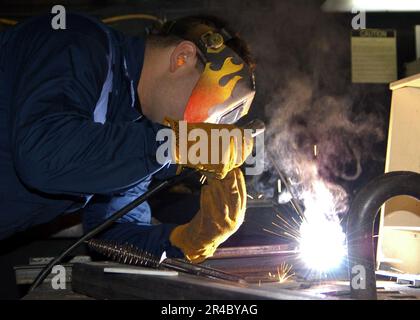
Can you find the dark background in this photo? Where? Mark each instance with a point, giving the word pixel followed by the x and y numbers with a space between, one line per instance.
pixel 367 98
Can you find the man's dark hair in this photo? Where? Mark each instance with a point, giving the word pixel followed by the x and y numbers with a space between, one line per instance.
pixel 162 36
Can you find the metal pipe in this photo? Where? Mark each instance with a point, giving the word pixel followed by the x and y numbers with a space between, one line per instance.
pixel 360 226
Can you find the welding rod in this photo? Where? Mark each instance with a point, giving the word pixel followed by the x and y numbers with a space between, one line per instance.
pixel 286 183
pixel 257 125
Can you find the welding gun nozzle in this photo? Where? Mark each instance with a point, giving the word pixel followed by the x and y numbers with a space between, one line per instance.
pixel 257 126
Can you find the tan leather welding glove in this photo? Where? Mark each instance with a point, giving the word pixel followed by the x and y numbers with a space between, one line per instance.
pixel 215 155
pixel 222 211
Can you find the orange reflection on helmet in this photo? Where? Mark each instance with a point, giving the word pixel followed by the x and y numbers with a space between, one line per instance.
pixel 208 92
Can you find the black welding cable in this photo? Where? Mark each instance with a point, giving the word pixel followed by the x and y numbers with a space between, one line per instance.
pixel 107 223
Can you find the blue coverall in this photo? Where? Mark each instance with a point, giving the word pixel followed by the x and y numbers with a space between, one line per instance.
pixel 71 133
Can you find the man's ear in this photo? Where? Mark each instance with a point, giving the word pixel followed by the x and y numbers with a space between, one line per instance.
pixel 184 55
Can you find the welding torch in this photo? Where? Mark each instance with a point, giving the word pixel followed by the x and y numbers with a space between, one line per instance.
pixel 256 125
pixel 295 204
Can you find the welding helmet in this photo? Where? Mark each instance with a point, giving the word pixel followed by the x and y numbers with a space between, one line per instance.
pixel 226 87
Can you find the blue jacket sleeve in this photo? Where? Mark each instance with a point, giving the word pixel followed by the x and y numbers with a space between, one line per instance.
pixel 153 239
pixel 57 147
pixel 133 228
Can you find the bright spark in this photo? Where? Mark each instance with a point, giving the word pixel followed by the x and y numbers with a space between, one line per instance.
pixel 318 232
pixel 283 272
pixel 203 179
pixel 322 244
pixel 322 240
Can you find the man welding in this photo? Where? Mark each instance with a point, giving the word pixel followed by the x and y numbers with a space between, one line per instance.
pixel 80 110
